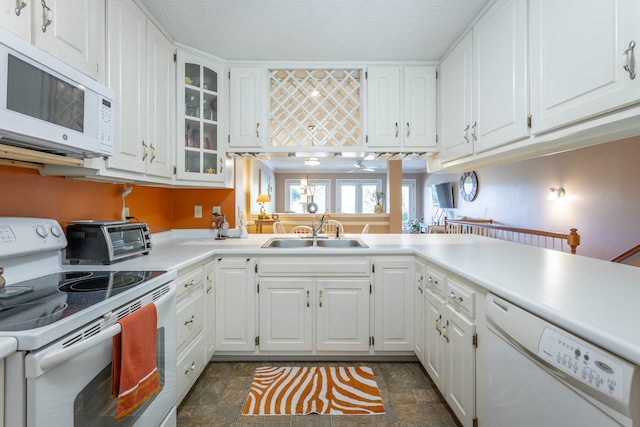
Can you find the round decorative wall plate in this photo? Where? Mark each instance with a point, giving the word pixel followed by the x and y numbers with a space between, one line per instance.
pixel 469 186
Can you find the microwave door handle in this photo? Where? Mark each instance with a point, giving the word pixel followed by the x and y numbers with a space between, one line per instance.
pixel 49 359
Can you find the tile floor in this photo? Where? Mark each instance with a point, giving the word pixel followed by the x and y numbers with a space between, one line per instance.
pixel 410 399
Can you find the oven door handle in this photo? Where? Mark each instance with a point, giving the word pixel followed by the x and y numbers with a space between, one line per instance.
pixel 49 359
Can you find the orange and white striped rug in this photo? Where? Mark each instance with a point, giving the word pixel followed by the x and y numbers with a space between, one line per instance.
pixel 313 390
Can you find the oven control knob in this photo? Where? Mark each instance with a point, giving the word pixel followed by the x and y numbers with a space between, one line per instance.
pixel 41 231
pixel 56 230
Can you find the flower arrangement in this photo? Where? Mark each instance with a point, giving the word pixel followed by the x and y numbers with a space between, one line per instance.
pixel 379 196
pixel 413 225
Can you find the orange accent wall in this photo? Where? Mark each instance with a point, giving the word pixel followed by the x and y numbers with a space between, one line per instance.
pixel 23 192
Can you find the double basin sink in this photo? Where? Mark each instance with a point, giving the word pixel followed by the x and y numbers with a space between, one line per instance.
pixel 294 243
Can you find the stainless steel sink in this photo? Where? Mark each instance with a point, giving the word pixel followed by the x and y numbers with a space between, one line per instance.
pixel 341 243
pixel 288 243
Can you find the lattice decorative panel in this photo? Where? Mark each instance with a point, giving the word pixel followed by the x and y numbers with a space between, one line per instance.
pixel 315 108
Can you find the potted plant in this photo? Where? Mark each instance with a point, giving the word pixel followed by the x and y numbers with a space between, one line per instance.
pixel 379 196
pixel 413 225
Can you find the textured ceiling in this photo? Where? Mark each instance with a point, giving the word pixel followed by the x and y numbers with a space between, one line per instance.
pixel 318 30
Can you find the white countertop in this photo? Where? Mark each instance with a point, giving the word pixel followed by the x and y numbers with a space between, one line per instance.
pixel 595 299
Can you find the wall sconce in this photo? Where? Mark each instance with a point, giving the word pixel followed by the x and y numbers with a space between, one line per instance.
pixel 311 161
pixel 262 198
pixel 556 193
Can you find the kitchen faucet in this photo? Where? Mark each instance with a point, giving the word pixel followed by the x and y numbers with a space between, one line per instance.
pixel 315 229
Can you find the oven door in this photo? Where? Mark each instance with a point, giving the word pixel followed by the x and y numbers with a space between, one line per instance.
pixel 71 386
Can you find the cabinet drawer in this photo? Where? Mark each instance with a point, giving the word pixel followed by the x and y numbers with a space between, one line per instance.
pixel 191 362
pixel 189 282
pixel 316 266
pixel 435 281
pixel 190 317
pixel 461 298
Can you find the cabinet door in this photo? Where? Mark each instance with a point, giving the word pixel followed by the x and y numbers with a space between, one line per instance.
pixel 419 107
pixel 286 314
pixel 419 315
pixel 127 35
pixel 342 319
pixel 210 308
pixel 460 360
pixel 393 302
pixel 75 34
pixel 201 154
pixel 16 18
pixel 576 59
pixel 455 102
pixel 500 68
pixel 161 83
pixel 235 305
pixel 247 126
pixel 434 342
pixel 383 107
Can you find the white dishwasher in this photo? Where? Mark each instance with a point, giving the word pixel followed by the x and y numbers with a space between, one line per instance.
pixel 541 375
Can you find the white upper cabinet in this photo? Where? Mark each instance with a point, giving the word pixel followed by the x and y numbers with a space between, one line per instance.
pixel 577 49
pixel 247 110
pixel 401 107
pixel 500 86
pixel 455 101
pixel 71 30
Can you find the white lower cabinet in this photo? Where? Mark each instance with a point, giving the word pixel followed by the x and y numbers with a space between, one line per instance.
pixel 235 312
pixel 312 308
pixel 210 308
pixel 419 310
pixel 190 329
pixel 450 356
pixel 393 303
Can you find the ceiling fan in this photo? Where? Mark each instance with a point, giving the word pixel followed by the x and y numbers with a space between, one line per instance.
pixel 359 167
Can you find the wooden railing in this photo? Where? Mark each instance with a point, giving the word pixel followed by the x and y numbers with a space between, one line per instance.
pixel 626 255
pixel 542 239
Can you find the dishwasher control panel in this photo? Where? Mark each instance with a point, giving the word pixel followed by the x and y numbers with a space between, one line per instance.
pixel 582 362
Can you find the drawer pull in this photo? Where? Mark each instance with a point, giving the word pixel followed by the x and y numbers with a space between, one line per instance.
pixel 193 319
pixel 191 283
pixel 191 369
pixel 431 280
pixel 455 297
pixel 320 299
pixel 307 298
pixel 19 8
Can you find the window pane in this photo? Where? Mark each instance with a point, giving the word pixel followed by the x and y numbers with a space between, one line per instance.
pixel 348 198
pixel 296 204
pixel 368 197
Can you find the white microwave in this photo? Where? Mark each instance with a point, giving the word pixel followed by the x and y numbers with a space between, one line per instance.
pixel 49 106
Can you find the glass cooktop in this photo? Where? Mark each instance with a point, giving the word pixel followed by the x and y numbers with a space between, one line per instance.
pixel 47 299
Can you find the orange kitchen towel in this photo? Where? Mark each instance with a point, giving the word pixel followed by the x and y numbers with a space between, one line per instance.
pixel 134 372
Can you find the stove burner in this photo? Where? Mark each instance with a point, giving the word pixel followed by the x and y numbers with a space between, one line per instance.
pixel 75 275
pixel 102 283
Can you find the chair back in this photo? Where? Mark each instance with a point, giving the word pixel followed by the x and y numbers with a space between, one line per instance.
pixel 365 229
pixel 331 225
pixel 278 228
pixel 302 229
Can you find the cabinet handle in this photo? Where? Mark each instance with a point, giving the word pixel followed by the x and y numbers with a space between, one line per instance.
pixel 628 60
pixel 21 6
pixel 320 299
pixel 408 129
pixel 473 131
pixel 146 150
pixel 443 328
pixel 193 367
pixel 397 129
pixel 153 154
pixel 191 283
pixel 455 298
pixel 222 167
pixel 466 134
pixel 307 298
pixel 431 280
pixel 438 324
pixel 46 16
pixel 257 130
pixel 210 282
pixel 193 319
pixel 420 289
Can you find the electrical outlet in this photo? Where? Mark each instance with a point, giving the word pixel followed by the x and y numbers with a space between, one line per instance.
pixel 197 211
pixel 217 210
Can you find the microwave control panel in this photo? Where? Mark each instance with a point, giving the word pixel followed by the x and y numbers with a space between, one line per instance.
pixel 105 124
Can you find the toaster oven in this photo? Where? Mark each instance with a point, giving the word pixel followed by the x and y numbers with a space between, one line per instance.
pixel 106 241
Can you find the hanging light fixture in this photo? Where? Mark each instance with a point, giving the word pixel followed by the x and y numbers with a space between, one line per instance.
pixel 311 161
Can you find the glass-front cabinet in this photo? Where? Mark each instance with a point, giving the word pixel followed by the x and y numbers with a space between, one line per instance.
pixel 201 152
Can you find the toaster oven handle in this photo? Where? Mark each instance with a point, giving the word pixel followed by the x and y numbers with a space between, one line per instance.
pixel 49 359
